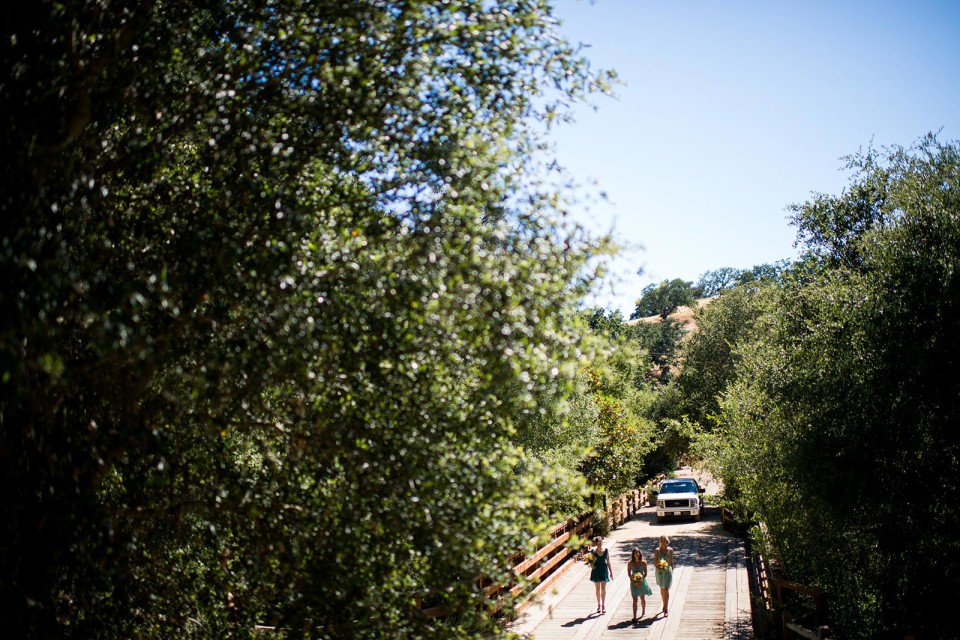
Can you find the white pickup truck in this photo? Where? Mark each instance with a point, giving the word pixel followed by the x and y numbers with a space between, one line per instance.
pixel 679 498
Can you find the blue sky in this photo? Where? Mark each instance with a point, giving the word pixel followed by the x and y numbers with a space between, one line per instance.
pixel 731 110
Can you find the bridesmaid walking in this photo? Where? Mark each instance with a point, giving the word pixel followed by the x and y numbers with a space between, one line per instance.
pixel 601 573
pixel 663 561
pixel 637 571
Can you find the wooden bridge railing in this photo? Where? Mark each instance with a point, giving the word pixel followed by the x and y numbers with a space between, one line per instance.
pixel 549 561
pixel 542 566
pixel 810 627
pixel 777 594
pixel 624 506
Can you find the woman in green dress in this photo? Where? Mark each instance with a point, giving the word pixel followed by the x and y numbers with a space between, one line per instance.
pixel 663 561
pixel 601 573
pixel 637 571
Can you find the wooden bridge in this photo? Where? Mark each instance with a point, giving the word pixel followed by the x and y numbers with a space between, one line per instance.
pixel 710 597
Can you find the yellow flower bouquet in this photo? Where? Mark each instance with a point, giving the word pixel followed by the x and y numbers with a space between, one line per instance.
pixel 590 558
pixel 662 565
pixel 637 578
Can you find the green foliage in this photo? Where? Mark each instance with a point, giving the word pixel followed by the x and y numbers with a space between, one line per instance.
pixel 279 290
pixel 619 444
pixel 663 299
pixel 598 432
pixel 687 408
pixel 712 283
pixel 607 323
pixel 674 440
pixel 710 357
pixel 662 341
pixel 600 525
pixel 841 422
pixel 622 435
pixel 764 274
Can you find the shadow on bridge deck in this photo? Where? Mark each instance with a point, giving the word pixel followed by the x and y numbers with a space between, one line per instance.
pixel 709 597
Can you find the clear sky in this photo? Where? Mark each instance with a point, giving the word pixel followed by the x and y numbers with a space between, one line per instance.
pixel 730 110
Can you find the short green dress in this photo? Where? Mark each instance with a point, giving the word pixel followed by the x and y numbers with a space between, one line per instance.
pixel 599 573
pixel 664 576
pixel 641 588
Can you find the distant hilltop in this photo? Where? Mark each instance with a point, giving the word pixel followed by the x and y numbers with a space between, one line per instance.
pixel 683 315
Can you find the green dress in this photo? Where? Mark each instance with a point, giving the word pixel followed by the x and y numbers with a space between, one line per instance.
pixel 641 588
pixel 599 573
pixel 664 576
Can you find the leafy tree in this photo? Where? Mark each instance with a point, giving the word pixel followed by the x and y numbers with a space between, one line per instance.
pixel 841 415
pixel 686 408
pixel 607 323
pixel 662 341
pixel 833 227
pixel 621 435
pixel 710 357
pixel 276 282
pixel 770 273
pixel 663 299
pixel 712 283
pixel 619 446
pixel 599 431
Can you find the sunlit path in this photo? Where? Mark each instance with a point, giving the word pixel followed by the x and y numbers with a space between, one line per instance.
pixel 709 598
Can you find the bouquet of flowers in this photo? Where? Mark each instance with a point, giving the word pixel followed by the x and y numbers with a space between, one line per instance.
pixel 590 558
pixel 662 565
pixel 637 578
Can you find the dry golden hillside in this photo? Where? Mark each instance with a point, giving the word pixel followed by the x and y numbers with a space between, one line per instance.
pixel 683 315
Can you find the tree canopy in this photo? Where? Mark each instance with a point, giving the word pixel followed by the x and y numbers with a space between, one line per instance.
pixel 710 359
pixel 842 413
pixel 713 283
pixel 663 299
pixel 277 281
pixel 598 431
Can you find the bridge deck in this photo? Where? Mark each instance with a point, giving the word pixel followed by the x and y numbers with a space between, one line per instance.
pixel 710 598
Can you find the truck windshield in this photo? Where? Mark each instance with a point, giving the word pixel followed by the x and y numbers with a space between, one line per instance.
pixel 678 487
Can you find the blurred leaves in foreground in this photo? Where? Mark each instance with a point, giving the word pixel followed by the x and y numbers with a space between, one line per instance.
pixel 277 281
